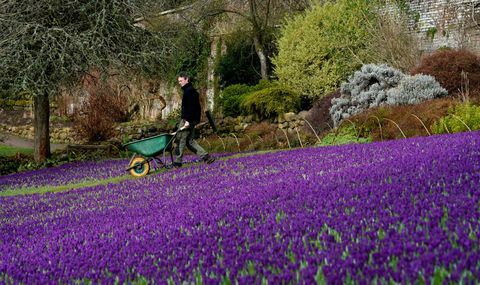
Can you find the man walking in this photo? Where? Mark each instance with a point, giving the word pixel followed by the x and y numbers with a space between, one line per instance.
pixel 190 116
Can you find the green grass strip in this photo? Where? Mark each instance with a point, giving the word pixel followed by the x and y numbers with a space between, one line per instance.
pixel 91 183
pixel 62 188
pixel 6 150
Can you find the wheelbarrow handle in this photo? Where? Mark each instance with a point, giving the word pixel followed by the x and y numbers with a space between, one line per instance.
pixel 179 130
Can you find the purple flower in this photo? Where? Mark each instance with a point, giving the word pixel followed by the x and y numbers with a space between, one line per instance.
pixel 393 211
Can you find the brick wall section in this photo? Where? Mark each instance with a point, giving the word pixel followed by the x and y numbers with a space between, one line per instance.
pixel 440 23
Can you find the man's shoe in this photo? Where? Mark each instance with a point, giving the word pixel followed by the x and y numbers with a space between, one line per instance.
pixel 208 159
pixel 177 164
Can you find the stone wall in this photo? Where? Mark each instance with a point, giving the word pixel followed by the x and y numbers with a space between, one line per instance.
pixel 446 23
pixel 57 134
pixel 288 122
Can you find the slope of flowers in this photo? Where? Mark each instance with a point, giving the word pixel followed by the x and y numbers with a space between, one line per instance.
pixel 74 173
pixel 65 174
pixel 401 211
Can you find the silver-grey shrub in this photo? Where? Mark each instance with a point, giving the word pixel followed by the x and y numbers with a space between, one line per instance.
pixel 366 88
pixel 415 89
pixel 376 85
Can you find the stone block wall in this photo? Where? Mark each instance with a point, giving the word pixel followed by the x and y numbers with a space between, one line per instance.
pixel 446 23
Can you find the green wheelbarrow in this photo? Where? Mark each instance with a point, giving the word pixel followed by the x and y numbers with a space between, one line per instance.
pixel 150 150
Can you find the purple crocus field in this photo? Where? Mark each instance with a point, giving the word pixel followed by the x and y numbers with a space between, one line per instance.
pixel 401 211
pixel 75 172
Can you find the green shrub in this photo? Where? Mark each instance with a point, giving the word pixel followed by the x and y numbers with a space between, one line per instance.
pixel 240 64
pixel 24 161
pixel 231 99
pixel 344 135
pixel 12 163
pixel 270 102
pixel 192 58
pixel 458 116
pixel 319 49
pixel 233 96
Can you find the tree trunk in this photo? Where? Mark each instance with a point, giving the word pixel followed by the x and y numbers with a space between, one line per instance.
pixel 261 56
pixel 41 127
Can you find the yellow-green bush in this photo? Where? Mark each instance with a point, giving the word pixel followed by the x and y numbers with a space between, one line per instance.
pixel 271 101
pixel 321 48
pixel 458 118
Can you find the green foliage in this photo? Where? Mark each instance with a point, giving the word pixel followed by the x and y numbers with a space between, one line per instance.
pixel 232 98
pixel 344 135
pixel 192 56
pixel 10 100
pixel 9 104
pixel 431 33
pixel 11 163
pixel 458 116
pixel 234 95
pixel 319 49
pixel 270 102
pixel 22 161
pixel 174 115
pixel 240 64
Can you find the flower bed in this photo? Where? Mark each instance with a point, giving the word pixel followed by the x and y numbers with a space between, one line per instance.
pixel 401 211
pixel 76 172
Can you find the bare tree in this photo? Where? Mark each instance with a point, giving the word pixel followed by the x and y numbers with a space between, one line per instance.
pixel 48 45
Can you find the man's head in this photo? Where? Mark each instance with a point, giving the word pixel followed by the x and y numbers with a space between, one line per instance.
pixel 183 79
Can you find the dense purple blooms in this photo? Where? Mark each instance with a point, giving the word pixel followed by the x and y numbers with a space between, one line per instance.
pixel 75 172
pixel 65 174
pixel 398 211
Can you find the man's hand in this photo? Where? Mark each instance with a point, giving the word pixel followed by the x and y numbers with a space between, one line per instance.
pixel 187 124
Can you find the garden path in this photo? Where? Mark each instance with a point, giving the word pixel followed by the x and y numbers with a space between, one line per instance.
pixel 16 141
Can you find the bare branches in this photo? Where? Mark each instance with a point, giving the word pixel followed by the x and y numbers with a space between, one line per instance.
pixel 46 44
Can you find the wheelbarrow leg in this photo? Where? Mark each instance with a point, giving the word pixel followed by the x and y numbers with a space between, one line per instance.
pixel 130 162
pixel 164 162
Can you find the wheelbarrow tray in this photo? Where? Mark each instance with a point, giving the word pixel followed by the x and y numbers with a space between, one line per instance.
pixel 152 146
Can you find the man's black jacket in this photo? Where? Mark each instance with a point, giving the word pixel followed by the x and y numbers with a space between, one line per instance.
pixel 191 109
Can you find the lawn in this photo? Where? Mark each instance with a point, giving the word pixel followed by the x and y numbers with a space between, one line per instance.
pixel 6 150
pixel 405 211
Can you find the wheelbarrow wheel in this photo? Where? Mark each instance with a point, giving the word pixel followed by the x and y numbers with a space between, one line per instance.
pixel 139 167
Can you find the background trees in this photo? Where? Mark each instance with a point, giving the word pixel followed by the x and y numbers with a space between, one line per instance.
pixel 319 49
pixel 49 45
pixel 259 19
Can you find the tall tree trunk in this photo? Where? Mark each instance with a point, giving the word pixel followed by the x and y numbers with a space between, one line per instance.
pixel 41 127
pixel 261 56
